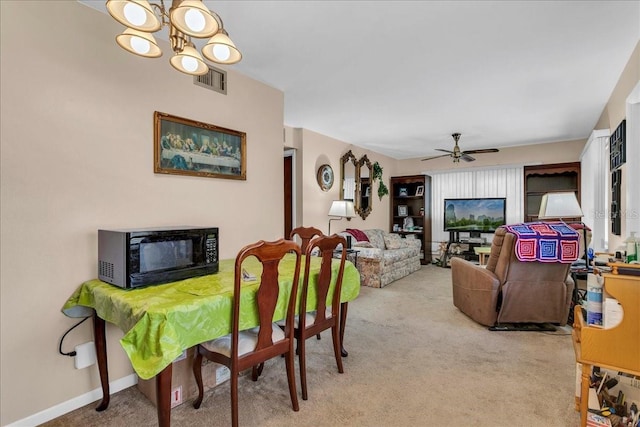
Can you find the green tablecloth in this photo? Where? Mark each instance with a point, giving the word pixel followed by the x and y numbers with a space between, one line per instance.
pixel 161 321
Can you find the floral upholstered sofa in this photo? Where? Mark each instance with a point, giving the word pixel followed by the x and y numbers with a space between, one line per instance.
pixel 383 257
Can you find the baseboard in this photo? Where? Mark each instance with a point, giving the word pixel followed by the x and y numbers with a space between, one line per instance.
pixel 75 403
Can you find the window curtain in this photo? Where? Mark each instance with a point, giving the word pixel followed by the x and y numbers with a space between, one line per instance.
pixel 594 188
pixel 503 182
pixel 632 168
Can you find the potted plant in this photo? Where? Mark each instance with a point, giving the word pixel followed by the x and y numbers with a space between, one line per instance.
pixel 377 175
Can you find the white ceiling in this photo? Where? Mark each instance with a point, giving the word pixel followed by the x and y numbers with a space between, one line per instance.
pixel 398 77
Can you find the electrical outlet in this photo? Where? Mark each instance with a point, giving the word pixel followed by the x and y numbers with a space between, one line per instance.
pixel 85 355
pixel 176 396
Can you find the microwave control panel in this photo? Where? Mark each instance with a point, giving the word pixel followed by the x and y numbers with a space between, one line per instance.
pixel 211 247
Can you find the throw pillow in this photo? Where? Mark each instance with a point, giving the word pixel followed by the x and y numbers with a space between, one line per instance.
pixel 393 241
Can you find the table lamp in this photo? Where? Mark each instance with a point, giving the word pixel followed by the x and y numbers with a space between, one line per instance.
pixel 563 206
pixel 341 209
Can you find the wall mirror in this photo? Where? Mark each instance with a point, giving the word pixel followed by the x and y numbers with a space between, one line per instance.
pixel 348 166
pixel 364 188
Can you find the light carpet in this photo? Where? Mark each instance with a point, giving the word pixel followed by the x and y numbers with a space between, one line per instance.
pixel 414 360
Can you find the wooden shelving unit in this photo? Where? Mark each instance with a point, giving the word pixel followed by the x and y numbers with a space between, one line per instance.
pixel 617 348
pixel 542 179
pixel 417 207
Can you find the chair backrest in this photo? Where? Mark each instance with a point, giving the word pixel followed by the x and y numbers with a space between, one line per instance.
pixel 269 254
pixel 328 246
pixel 504 263
pixel 305 234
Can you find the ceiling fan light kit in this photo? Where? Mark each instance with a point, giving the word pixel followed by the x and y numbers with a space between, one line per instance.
pixel 458 154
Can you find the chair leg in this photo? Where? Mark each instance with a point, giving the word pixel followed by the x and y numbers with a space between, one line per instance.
pixel 291 378
pixel 302 357
pixel 335 332
pixel 256 371
pixel 197 372
pixel 234 398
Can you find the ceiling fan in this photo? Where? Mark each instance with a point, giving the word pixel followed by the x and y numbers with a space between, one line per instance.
pixel 458 154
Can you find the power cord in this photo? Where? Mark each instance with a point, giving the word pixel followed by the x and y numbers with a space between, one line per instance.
pixel 71 353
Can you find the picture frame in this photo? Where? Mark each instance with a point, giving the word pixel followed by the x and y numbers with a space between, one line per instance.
pixel 403 210
pixel 420 190
pixel 188 147
pixel 402 192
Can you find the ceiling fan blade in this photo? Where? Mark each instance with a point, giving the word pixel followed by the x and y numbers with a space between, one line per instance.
pixel 467 158
pixel 436 157
pixel 445 151
pixel 486 150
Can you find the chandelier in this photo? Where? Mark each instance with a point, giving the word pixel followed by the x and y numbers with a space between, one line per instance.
pixel 185 19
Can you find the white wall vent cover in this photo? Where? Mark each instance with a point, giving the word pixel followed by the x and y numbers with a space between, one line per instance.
pixel 215 79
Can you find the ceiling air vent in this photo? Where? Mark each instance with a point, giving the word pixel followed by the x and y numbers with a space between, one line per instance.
pixel 215 79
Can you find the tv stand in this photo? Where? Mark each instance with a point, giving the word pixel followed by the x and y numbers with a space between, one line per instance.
pixel 468 253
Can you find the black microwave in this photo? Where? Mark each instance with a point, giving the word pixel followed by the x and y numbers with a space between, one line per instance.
pixel 152 256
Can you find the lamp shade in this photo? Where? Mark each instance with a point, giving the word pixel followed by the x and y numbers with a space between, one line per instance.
pixel 560 205
pixel 193 18
pixel 137 14
pixel 221 49
pixel 342 208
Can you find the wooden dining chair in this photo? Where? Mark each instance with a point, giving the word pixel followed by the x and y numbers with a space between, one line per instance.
pixel 246 349
pixel 310 323
pixel 305 234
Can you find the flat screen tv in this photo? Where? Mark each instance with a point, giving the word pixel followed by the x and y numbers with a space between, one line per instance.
pixel 474 215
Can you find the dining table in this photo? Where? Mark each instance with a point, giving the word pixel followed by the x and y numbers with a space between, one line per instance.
pixel 161 321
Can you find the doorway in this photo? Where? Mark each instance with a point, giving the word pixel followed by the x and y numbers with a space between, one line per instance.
pixel 288 174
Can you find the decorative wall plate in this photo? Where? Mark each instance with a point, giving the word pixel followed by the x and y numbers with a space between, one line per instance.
pixel 325 177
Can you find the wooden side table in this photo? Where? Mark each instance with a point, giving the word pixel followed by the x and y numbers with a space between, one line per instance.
pixel 352 255
pixel 482 252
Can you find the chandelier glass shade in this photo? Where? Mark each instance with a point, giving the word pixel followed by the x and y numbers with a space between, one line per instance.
pixel 139 43
pixel 221 49
pixel 189 61
pixel 185 19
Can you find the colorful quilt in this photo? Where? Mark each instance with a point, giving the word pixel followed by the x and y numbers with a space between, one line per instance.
pixel 545 241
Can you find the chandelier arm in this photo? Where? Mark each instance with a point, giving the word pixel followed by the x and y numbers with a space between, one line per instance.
pixel 178 39
pixel 217 18
pixel 161 11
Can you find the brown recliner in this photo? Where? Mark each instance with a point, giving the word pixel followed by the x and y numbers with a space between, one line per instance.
pixel 511 291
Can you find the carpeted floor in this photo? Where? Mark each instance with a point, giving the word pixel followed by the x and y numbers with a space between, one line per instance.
pixel 414 359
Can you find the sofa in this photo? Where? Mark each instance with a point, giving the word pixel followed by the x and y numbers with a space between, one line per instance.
pixel 509 290
pixel 383 257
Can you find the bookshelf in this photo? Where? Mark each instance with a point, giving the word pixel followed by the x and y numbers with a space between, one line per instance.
pixel 411 202
pixel 542 179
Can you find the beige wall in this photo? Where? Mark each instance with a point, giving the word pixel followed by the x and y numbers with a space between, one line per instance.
pixel 77 155
pixel 313 151
pixel 615 110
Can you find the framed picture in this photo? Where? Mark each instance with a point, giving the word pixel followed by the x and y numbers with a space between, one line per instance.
pixel 403 192
pixel 367 191
pixel 188 147
pixel 402 210
pixel 420 190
